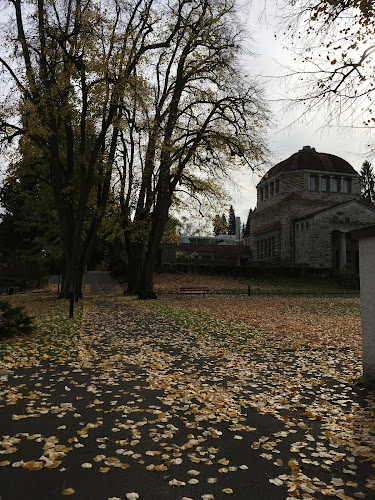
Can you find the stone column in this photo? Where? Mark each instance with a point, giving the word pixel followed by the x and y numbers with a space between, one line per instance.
pixel 342 250
pixel 367 274
pixel 319 182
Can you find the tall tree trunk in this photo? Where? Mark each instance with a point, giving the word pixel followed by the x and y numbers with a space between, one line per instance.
pixel 146 288
pixel 140 271
pixel 142 254
pixel 72 277
pixel 136 252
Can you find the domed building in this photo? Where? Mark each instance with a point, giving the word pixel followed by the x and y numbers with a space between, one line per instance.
pixel 306 207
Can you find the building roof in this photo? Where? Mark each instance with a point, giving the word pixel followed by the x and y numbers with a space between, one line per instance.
pixel 308 159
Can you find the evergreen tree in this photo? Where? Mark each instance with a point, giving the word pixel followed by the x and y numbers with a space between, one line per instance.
pixel 248 221
pixel 367 182
pixel 232 221
pixel 217 225
pixel 224 225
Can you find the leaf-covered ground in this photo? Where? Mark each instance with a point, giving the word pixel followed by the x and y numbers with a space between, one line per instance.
pixel 167 283
pixel 55 337
pixel 193 398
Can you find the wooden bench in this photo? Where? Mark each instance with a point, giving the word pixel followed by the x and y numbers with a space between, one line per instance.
pixel 196 290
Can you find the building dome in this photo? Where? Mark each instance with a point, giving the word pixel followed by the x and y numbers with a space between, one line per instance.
pixel 308 159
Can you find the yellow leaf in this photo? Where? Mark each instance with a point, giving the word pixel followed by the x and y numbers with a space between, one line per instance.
pixel 104 470
pixel 33 465
pixel 68 491
pixel 5 462
pixel 343 497
pixel 55 464
pixel 223 461
pixel 159 468
pixel 82 431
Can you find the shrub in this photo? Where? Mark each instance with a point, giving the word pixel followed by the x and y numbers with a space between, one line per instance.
pixel 13 321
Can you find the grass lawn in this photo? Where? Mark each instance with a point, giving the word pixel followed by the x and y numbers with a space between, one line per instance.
pixel 267 322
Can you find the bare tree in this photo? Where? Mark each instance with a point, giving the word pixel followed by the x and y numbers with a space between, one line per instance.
pixel 334 42
pixel 194 119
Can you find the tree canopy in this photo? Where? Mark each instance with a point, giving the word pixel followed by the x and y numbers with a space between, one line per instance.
pixel 69 66
pixel 151 91
pixel 335 43
pixel 194 120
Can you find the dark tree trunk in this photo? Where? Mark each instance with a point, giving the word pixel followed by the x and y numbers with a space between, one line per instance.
pixel 140 271
pixel 135 262
pixel 142 256
pixel 71 279
pixel 146 288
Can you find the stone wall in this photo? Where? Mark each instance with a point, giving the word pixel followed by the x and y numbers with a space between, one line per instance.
pixel 285 212
pixel 313 245
pixel 299 182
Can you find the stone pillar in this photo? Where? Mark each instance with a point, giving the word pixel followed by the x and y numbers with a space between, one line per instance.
pixel 342 250
pixel 367 274
pixel 319 182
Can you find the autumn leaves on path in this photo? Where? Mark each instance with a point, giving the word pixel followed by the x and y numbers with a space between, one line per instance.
pixel 151 410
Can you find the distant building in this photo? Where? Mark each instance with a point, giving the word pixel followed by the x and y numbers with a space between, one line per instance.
pixel 224 249
pixel 306 207
pixel 221 239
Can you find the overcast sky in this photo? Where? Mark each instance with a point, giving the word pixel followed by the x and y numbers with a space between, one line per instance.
pixel 286 137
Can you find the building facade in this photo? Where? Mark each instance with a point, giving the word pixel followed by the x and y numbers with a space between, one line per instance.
pixel 307 205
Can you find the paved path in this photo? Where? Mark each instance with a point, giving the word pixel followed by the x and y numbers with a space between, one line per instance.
pixel 166 414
